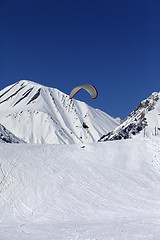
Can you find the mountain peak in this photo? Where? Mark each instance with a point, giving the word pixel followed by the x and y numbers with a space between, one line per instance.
pixel 143 121
pixel 28 82
pixel 34 113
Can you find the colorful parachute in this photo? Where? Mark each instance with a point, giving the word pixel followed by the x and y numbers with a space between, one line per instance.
pixel 88 87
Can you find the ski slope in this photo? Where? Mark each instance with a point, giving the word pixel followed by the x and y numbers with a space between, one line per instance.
pixel 106 191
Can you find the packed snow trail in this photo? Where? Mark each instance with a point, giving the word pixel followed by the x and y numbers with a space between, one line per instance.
pixel 107 190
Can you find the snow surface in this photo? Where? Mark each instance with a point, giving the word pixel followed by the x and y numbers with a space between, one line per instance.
pixel 35 113
pixel 106 191
pixel 7 137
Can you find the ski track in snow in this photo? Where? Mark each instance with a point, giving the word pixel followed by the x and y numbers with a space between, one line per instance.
pixel 106 191
pixel 112 229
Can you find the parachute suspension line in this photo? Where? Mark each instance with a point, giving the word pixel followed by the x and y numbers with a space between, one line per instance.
pixel 86 137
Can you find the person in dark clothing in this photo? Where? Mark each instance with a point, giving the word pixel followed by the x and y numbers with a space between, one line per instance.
pixel 85 125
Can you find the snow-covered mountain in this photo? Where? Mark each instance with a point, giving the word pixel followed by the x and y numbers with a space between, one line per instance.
pixel 144 121
pixel 8 137
pixel 36 114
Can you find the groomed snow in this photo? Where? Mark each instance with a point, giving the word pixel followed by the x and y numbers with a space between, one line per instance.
pixel 106 191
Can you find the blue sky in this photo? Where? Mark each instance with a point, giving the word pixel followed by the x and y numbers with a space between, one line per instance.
pixel 114 45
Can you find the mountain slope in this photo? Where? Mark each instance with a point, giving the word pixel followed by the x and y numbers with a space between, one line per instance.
pixel 144 121
pixel 36 113
pixel 108 190
pixel 8 137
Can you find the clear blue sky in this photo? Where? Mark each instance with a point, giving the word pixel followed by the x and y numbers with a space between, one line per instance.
pixel 112 44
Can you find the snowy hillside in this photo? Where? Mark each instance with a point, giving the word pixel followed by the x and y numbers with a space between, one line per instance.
pixel 144 121
pixel 36 113
pixel 7 137
pixel 106 191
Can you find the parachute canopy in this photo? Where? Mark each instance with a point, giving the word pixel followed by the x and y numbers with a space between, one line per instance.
pixel 88 87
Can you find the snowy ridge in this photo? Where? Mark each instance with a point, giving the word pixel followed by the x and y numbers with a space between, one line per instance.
pixel 36 113
pixel 108 190
pixel 144 121
pixel 8 137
